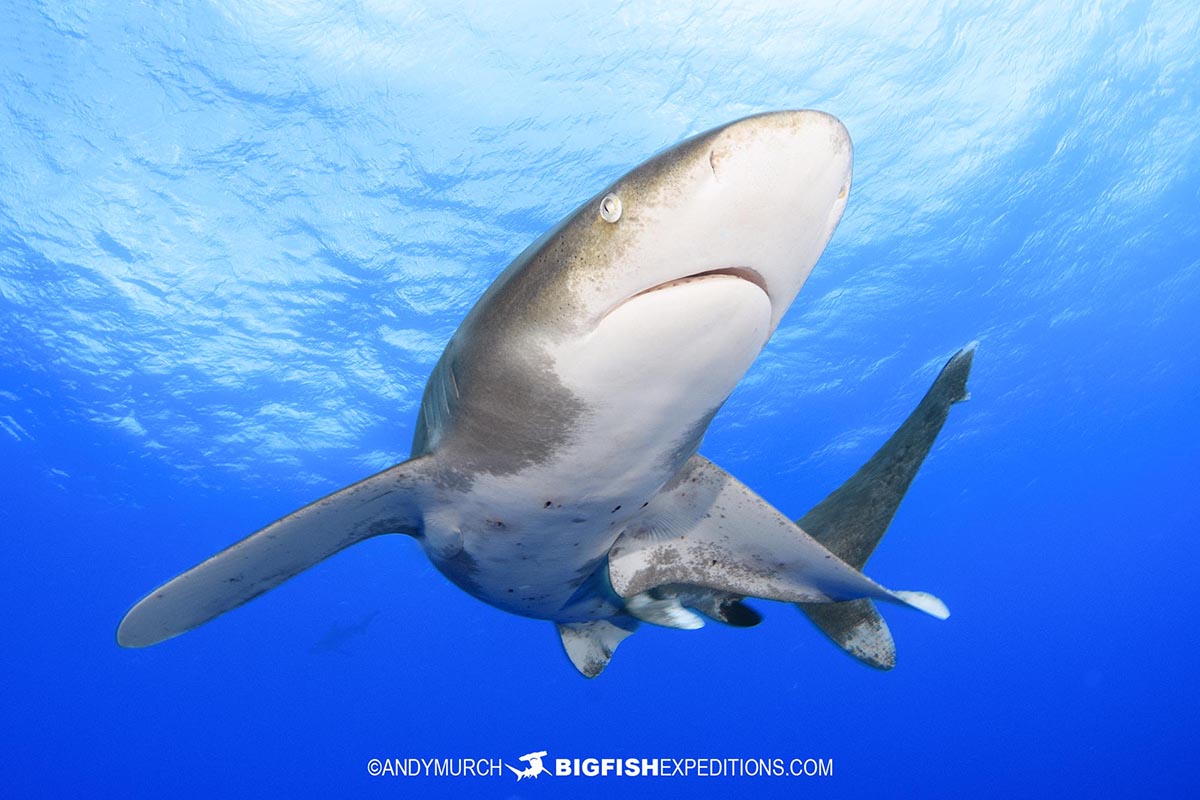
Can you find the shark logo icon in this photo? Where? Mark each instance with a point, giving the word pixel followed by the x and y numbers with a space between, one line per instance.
pixel 535 768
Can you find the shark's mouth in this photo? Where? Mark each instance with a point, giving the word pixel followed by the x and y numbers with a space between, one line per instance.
pixel 746 274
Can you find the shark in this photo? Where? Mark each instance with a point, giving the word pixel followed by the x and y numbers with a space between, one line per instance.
pixel 340 635
pixel 554 471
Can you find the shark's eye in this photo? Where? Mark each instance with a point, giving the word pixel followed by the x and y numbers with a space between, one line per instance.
pixel 610 208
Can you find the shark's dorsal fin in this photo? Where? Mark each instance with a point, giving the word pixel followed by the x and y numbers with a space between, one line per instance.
pixel 854 517
pixel 384 503
pixel 708 529
pixel 590 645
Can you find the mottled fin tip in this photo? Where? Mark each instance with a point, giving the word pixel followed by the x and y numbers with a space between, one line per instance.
pixel 856 627
pixel 590 645
pixel 665 611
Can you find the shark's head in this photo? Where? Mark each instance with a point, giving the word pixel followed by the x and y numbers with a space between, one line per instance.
pixel 757 199
pixel 658 293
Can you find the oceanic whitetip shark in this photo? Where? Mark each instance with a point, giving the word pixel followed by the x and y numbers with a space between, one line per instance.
pixel 554 471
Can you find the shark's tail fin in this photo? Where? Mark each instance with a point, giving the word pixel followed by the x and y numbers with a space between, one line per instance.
pixel 851 521
pixel 383 503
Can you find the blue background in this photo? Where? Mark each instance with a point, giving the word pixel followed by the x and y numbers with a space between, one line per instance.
pixel 234 238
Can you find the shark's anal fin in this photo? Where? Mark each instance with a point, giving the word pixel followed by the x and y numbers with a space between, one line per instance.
pixel 707 529
pixel 852 520
pixel 590 645
pixel 383 503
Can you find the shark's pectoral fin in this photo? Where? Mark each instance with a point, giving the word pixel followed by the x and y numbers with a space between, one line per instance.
pixel 384 503
pixel 590 645
pixel 853 518
pixel 707 529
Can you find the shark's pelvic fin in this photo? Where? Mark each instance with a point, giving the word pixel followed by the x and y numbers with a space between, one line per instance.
pixel 707 529
pixel 665 611
pixel 852 520
pixel 721 606
pixel 590 645
pixel 383 503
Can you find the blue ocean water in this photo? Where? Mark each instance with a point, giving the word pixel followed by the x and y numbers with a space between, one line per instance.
pixel 234 238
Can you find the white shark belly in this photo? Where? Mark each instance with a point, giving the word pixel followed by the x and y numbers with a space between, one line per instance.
pixel 651 375
pixel 526 555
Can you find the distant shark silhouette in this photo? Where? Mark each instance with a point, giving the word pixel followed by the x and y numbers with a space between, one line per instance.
pixel 554 471
pixel 338 635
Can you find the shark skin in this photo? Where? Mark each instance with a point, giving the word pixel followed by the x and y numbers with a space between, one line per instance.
pixel 554 470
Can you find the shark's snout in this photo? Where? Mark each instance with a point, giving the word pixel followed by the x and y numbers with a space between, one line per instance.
pixel 783 142
pixel 780 182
